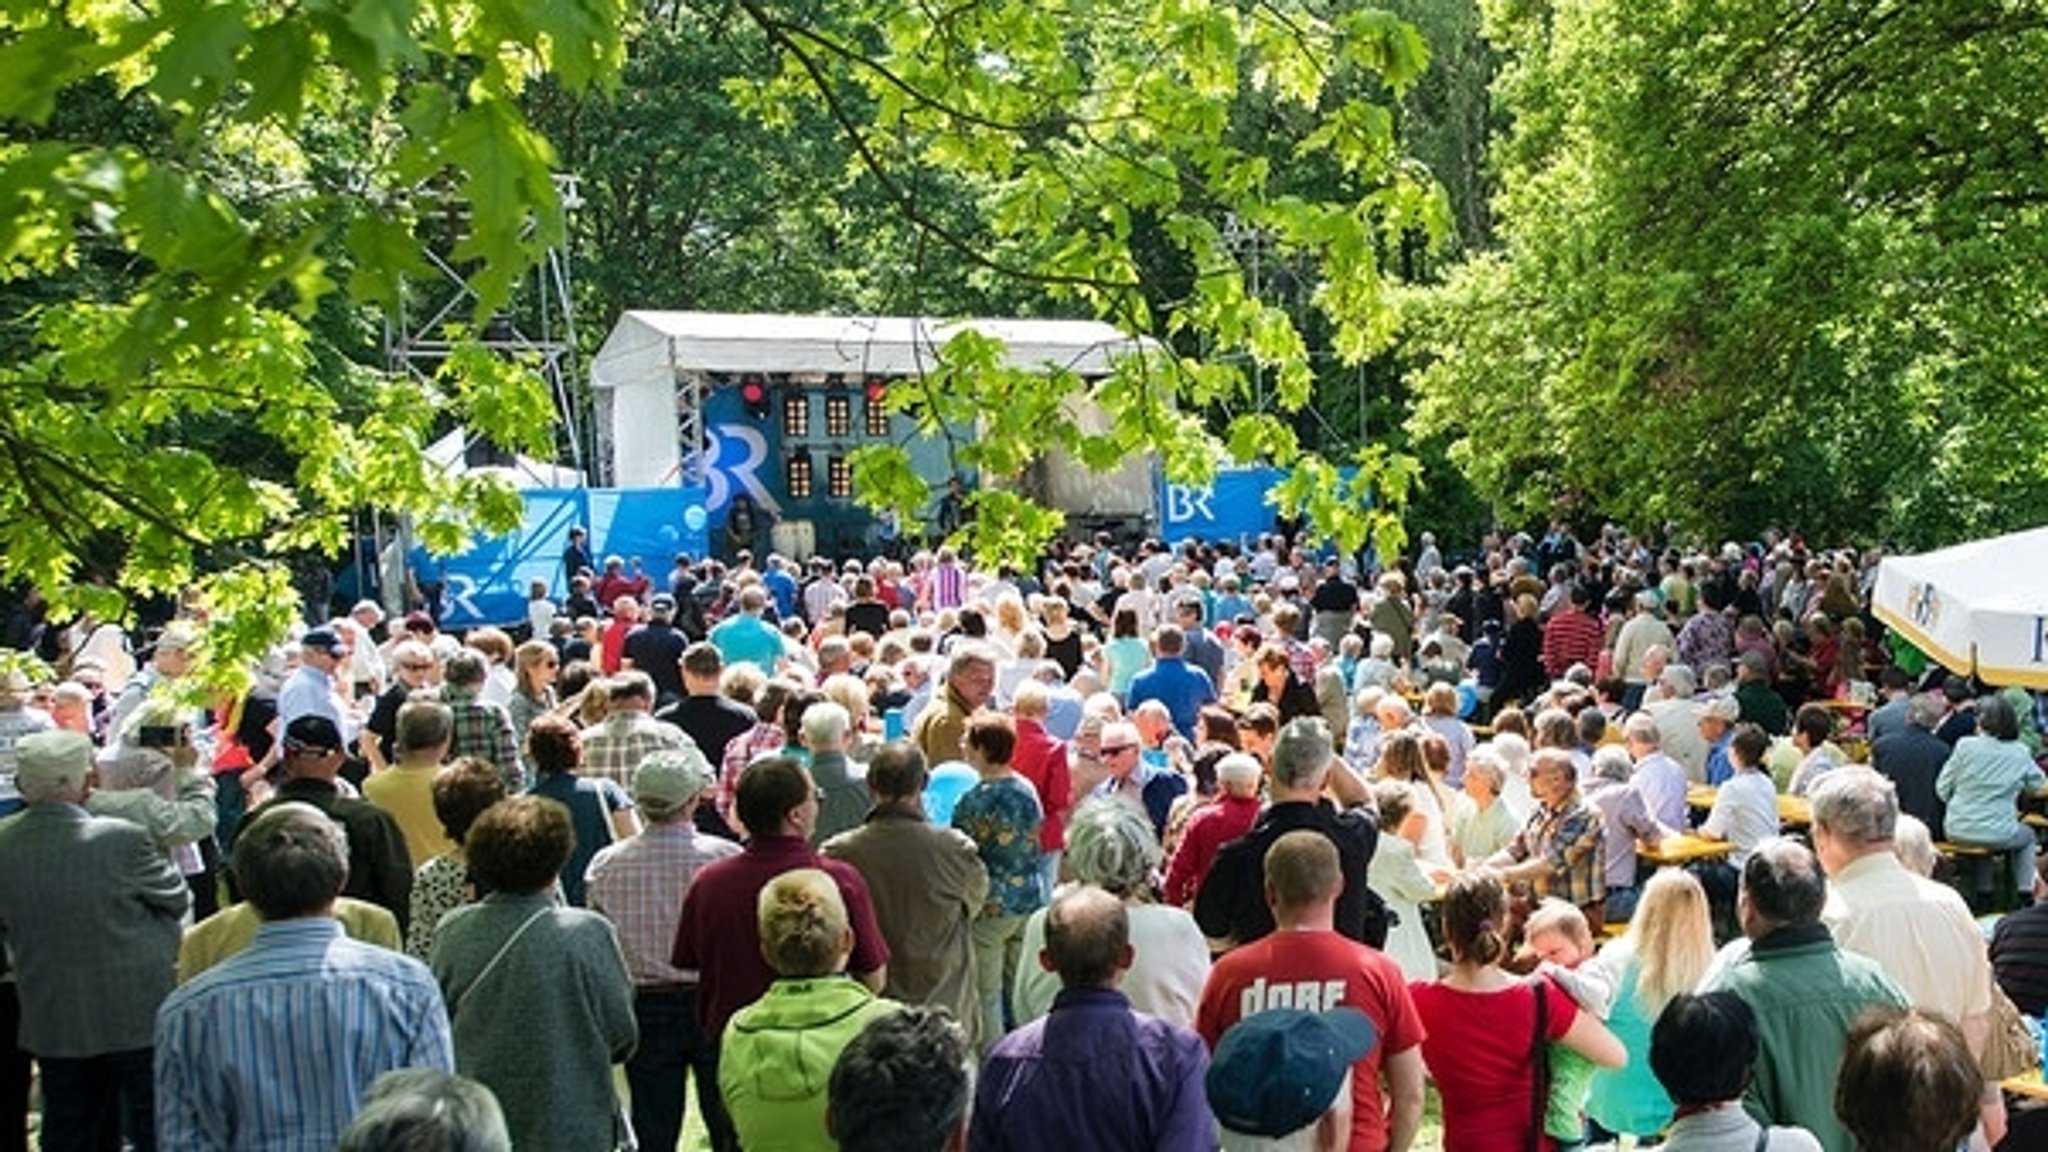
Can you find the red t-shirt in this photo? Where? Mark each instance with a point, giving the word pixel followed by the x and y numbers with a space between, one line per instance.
pixel 1482 1055
pixel 1316 971
pixel 1208 830
pixel 1042 760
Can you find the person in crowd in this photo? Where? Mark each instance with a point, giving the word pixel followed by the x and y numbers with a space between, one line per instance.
pixel 279 1043
pixel 1980 786
pixel 940 731
pixel 1281 1078
pixel 1134 775
pixel 1908 1083
pixel 1043 1085
pixel 406 788
pixel 1041 759
pixel 166 789
pixel 710 718
pixel 1756 701
pixel 1279 684
pixel 902 1084
pixel 1114 849
pixel 1625 821
pixel 1659 778
pixel 1520 656
pixel 413 666
pixel 2019 956
pixel 776 1058
pixel 599 810
pixel 1911 756
pixel 928 885
pixel 827 731
pixel 745 637
pixel 427 1110
pixel 1001 815
pixel 1920 932
pixel 1230 905
pixel 614 748
pixel 718 935
pixel 1803 989
pixel 1173 681
pixel 1227 816
pixel 479 727
pixel 656 648
pixel 91 910
pixel 535 666
pixel 1813 729
pixel 1717 720
pixel 638 884
pixel 1572 635
pixel 1667 950
pixel 311 690
pixel 1481 823
pixel 379 863
pixel 462 791
pixel 1485 1030
pixel 1704 1050
pixel 766 738
pixel 1561 851
pixel 492 957
pixel 1306 964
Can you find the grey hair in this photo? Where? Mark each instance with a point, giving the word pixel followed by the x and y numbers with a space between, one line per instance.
pixel 1680 677
pixel 824 725
pixel 1914 844
pixel 1112 845
pixel 1857 805
pixel 1925 710
pixel 427 1110
pixel 1239 767
pixel 1642 726
pixel 1611 762
pixel 1486 761
pixel 1302 753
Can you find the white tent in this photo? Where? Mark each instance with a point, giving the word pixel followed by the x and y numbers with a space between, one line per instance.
pixel 1981 606
pixel 523 472
pixel 640 363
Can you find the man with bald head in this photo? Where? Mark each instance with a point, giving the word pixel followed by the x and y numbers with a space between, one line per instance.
pixel 92 977
pixel 1044 1085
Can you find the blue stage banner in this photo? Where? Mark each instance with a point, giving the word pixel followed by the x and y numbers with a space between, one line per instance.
pixel 488 584
pixel 1234 508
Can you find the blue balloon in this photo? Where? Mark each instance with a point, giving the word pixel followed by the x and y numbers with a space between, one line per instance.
pixel 694 518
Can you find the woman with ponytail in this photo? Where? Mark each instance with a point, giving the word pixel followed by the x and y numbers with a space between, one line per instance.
pixel 1488 1029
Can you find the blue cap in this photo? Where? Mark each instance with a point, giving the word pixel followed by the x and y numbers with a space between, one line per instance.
pixel 1275 1072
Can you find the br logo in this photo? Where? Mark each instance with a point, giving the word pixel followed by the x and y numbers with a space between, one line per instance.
pixel 732 465
pixel 1184 504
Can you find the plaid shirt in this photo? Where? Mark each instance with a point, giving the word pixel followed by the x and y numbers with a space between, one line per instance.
pixel 615 747
pixel 761 740
pixel 1570 838
pixel 484 730
pixel 638 885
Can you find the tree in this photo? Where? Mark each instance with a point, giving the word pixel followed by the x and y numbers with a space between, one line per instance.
pixel 1759 265
pixel 215 280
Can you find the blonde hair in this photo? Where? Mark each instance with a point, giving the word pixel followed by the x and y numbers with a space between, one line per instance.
pixel 804 927
pixel 1563 918
pixel 1671 936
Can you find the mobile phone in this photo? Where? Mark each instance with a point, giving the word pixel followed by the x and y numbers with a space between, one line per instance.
pixel 158 735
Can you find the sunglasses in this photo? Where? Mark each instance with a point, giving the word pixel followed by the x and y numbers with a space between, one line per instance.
pixel 1118 749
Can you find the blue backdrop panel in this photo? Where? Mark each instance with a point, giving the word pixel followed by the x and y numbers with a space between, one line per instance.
pixel 488 583
pixel 1234 508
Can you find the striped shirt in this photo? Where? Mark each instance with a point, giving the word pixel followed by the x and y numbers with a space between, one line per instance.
pixel 638 885
pixel 275 1047
pixel 484 730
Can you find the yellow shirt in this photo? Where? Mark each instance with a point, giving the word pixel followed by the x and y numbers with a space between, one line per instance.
pixel 229 930
pixel 408 794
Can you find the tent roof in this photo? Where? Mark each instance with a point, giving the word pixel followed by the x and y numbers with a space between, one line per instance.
pixel 646 344
pixel 1978 605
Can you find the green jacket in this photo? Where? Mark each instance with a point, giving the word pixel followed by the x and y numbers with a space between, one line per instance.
pixel 777 1057
pixel 1805 991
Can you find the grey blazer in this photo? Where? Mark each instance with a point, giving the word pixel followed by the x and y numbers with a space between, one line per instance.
pixel 93 911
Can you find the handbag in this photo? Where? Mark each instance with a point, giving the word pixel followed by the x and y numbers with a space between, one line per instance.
pixel 2010 1049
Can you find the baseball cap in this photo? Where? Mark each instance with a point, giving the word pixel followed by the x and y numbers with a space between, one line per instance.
pixel 47 760
pixel 326 640
pixel 663 604
pixel 312 734
pixel 1276 1071
pixel 669 779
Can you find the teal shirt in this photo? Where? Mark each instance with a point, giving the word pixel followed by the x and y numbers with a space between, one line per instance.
pixel 1981 784
pixel 1629 1099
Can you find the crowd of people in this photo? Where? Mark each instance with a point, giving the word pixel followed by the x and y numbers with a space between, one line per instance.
pixel 1163 848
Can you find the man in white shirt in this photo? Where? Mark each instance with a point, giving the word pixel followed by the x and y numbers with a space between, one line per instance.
pixel 1661 779
pixel 310 691
pixel 1921 932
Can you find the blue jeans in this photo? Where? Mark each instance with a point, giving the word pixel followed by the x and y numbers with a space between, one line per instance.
pixel 91 1102
pixel 671 1044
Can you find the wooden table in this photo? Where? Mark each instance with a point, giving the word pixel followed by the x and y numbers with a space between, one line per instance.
pixel 1683 849
pixel 1793 811
pixel 2026 1084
